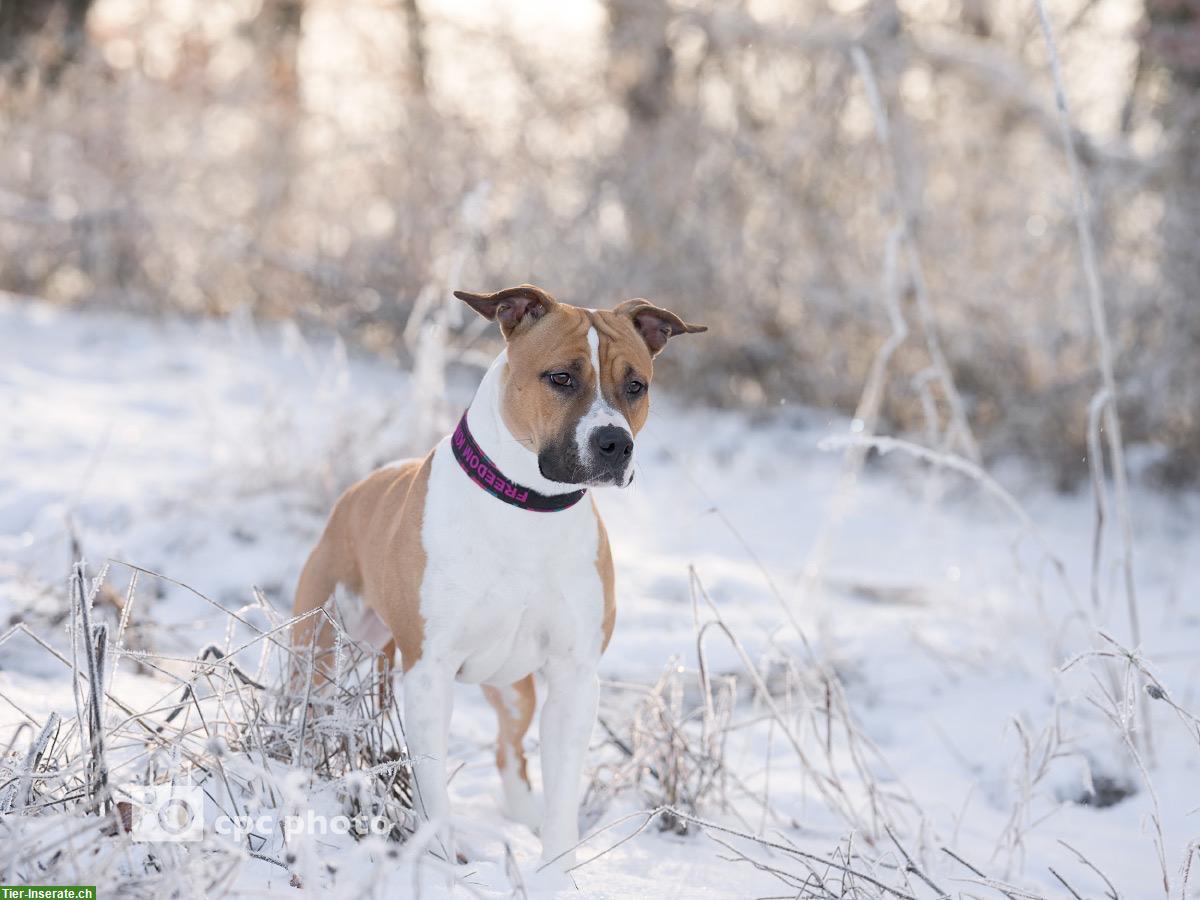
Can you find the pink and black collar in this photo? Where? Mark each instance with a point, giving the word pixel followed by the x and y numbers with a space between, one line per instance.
pixel 484 473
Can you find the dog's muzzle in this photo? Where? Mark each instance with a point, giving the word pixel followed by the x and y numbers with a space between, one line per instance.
pixel 604 459
pixel 612 448
pixel 611 452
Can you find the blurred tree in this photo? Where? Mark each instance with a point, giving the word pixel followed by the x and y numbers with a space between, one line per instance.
pixel 1172 42
pixel 641 68
pixel 641 62
pixel 976 18
pixel 275 31
pixel 42 34
pixel 414 25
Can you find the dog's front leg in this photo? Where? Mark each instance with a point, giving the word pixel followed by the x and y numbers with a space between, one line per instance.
pixel 567 719
pixel 428 699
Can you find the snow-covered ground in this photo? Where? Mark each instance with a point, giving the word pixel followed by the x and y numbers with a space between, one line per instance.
pixel 210 452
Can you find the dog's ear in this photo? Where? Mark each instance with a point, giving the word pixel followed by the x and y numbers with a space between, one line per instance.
pixel 511 306
pixel 655 325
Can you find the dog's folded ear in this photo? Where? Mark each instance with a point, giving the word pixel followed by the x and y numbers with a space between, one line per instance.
pixel 511 306
pixel 656 325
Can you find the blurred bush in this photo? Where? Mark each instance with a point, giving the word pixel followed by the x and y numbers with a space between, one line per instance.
pixel 347 163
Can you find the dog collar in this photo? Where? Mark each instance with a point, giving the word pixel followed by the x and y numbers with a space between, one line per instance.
pixel 484 473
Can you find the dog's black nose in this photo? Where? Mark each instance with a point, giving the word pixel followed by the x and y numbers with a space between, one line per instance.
pixel 612 445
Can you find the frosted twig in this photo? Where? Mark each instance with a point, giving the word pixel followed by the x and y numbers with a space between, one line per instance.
pixel 1112 892
pixel 965 467
pixel 1185 868
pixel 1091 270
pixel 866 418
pixel 1063 882
pixel 1115 716
pixel 650 814
pixel 960 426
pixel 912 866
pixel 1096 467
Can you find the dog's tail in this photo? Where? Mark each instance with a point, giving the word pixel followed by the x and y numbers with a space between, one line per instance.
pixel 312 636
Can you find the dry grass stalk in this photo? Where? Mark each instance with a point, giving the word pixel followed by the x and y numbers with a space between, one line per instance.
pixel 237 736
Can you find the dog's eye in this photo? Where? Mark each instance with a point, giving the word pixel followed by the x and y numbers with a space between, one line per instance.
pixel 562 379
pixel 634 388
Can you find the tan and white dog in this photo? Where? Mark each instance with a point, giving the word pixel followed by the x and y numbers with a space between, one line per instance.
pixel 479 563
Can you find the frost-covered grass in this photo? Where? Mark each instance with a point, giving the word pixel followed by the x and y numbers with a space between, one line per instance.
pixel 823 682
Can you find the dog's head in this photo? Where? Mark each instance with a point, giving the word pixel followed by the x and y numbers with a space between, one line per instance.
pixel 577 389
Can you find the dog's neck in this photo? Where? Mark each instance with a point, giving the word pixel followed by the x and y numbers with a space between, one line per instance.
pixel 486 420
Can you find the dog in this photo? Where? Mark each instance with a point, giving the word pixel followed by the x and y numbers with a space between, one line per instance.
pixel 486 562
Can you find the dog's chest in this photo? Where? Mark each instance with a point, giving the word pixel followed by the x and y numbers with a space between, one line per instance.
pixel 505 588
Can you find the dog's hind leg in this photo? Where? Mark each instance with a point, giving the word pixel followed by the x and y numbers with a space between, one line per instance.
pixel 323 572
pixel 514 707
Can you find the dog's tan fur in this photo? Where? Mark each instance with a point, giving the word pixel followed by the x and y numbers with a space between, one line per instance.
pixel 533 415
pixel 604 565
pixel 371 547
pixel 513 719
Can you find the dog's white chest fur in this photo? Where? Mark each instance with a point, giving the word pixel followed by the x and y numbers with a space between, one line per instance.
pixel 505 588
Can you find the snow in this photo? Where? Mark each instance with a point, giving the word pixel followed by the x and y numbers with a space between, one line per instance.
pixel 211 451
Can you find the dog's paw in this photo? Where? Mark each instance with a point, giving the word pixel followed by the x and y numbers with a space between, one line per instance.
pixel 549 879
pixel 523 807
pixel 467 851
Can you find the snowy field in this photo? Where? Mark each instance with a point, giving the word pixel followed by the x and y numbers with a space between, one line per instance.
pixel 924 658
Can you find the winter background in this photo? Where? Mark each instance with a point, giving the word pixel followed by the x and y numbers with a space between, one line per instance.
pixel 905 581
